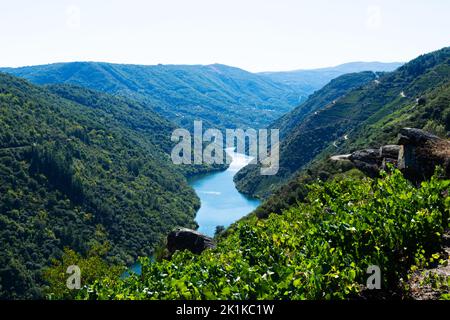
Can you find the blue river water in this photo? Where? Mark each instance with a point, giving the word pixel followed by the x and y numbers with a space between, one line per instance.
pixel 221 203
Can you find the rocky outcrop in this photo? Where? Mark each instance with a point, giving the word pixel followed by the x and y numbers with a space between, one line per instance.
pixel 421 153
pixel 416 155
pixel 371 161
pixel 187 239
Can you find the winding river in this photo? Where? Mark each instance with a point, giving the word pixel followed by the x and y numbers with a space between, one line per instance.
pixel 221 203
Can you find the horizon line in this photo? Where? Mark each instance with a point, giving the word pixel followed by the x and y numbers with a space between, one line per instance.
pixel 203 65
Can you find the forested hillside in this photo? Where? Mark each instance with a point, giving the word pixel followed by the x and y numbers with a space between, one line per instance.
pixel 333 90
pixel 221 96
pixel 391 99
pixel 82 170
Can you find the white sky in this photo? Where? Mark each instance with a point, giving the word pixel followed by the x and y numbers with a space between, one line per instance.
pixel 257 35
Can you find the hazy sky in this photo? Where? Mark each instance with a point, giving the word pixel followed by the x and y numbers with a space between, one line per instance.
pixel 256 35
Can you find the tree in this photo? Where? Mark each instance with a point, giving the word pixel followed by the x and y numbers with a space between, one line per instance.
pixel 219 230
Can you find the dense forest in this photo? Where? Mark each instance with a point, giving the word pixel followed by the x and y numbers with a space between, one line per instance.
pixel 82 170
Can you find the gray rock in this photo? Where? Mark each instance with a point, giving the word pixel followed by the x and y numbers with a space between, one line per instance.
pixel 390 151
pixel 187 239
pixel 368 161
pixel 416 155
pixel 421 152
pixel 416 137
pixel 366 155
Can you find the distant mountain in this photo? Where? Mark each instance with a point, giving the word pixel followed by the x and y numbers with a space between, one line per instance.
pixel 83 170
pixel 363 113
pixel 308 81
pixel 220 95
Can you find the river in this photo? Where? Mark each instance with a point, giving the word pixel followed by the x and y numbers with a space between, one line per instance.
pixel 221 203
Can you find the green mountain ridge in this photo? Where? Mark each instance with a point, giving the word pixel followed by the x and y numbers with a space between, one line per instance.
pixel 333 90
pixel 344 118
pixel 221 96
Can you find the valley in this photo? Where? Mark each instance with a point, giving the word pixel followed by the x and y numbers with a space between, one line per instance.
pixel 220 159
pixel 88 178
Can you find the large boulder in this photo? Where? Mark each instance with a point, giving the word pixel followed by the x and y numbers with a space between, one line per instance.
pixel 371 161
pixel 368 161
pixel 421 152
pixel 187 239
pixel 417 154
